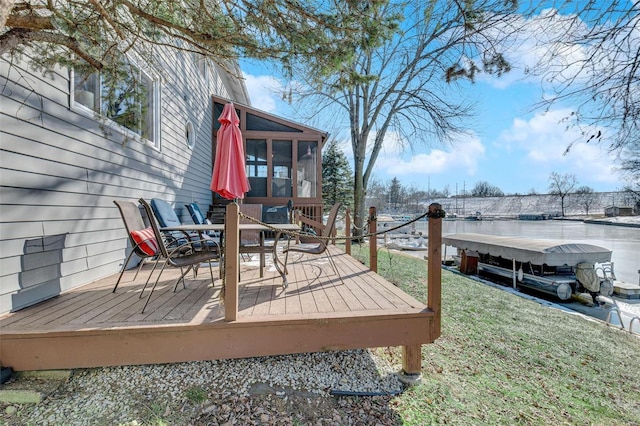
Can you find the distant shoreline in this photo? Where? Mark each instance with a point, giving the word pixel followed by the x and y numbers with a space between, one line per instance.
pixel 628 221
pixel 511 206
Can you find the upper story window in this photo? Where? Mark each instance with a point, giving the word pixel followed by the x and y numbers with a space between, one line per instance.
pixel 129 98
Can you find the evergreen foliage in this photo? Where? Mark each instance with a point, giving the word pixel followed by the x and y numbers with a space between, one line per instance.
pixel 337 177
pixel 396 192
pixel 94 33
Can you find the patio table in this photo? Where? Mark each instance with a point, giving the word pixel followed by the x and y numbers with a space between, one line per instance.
pixel 279 228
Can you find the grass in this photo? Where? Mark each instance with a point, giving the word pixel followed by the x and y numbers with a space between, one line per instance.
pixel 196 395
pixel 503 359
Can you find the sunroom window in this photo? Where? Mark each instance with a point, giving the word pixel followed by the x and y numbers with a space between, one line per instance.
pixel 129 98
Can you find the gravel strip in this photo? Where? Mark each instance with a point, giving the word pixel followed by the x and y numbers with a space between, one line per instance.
pixel 211 390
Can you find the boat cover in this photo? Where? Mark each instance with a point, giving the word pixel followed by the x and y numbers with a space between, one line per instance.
pixel 538 252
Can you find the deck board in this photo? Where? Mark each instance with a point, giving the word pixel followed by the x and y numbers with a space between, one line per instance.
pixel 319 310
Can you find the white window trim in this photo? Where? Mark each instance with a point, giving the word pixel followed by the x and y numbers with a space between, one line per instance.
pixel 112 125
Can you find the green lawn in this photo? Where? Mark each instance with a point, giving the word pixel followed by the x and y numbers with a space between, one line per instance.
pixel 503 359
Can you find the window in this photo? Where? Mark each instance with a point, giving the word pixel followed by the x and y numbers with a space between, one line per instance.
pixel 128 97
pixel 274 170
pixel 307 172
pixel 281 178
pixel 190 135
pixel 256 164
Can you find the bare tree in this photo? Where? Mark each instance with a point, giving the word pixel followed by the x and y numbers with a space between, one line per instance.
pixel 630 164
pixel 634 193
pixel 485 189
pixel 414 197
pixel 377 194
pixel 592 61
pixel 586 197
pixel 561 186
pixel 407 87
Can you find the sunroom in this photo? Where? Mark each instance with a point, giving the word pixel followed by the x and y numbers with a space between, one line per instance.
pixel 283 162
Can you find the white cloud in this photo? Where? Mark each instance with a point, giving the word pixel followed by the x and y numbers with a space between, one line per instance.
pixel 543 40
pixel 462 158
pixel 392 145
pixel 543 140
pixel 263 91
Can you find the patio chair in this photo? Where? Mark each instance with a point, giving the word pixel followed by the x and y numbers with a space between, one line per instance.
pixel 252 242
pixel 167 216
pixel 278 214
pixel 140 237
pixel 320 245
pixel 198 218
pixel 176 257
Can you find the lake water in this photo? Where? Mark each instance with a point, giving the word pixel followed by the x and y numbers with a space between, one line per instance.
pixel 624 242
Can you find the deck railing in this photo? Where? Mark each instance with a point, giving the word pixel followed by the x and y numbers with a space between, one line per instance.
pixel 412 355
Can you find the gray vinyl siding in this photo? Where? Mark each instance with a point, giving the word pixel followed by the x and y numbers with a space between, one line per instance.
pixel 60 172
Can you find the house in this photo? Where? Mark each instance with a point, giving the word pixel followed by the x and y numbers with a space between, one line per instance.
pixel 63 163
pixel 69 148
pixel 613 211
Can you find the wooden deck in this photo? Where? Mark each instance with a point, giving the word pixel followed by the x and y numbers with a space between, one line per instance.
pixel 319 311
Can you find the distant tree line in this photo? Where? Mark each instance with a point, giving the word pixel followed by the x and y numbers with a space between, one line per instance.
pixel 393 196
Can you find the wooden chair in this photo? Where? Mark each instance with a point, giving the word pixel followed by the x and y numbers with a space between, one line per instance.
pixel 320 244
pixel 176 256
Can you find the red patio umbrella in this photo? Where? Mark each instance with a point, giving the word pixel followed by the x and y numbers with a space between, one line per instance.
pixel 229 175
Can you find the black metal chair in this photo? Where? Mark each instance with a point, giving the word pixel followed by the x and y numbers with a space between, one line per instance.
pixel 320 243
pixel 135 226
pixel 198 217
pixel 166 216
pixel 176 256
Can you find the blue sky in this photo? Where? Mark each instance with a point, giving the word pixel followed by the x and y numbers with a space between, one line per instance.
pixel 509 145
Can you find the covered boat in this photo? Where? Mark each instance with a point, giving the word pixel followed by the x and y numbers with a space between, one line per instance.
pixel 545 265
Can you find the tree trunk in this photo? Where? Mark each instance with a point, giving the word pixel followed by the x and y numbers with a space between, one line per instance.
pixel 358 196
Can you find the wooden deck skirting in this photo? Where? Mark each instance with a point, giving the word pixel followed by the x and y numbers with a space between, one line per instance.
pixel 92 327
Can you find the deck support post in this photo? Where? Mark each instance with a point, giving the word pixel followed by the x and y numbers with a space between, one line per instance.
pixel 347 231
pixel 412 354
pixel 411 365
pixel 434 266
pixel 373 241
pixel 231 261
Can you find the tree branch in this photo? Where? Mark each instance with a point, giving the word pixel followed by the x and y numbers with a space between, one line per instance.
pixel 30 22
pixel 16 37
